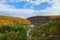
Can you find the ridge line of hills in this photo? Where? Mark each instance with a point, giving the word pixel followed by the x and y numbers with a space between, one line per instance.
pixel 42 19
pixel 8 20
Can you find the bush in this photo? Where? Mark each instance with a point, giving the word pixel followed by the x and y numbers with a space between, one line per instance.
pixel 9 32
pixel 46 31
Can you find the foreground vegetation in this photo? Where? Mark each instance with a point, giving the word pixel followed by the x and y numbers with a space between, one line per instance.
pixel 47 31
pixel 13 32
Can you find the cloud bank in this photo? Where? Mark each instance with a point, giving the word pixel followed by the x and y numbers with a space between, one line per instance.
pixel 54 10
pixel 13 11
pixel 10 10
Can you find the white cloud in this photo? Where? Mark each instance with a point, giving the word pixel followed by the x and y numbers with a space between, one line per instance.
pixel 2 1
pixel 35 2
pixel 15 12
pixel 54 10
pixel 24 13
pixel 10 10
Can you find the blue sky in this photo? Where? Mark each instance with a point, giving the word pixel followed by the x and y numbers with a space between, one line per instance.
pixel 22 5
pixel 28 8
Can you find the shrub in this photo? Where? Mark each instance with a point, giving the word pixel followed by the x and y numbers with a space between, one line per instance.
pixel 46 31
pixel 9 32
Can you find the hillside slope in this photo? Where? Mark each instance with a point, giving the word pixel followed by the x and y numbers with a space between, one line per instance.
pixel 41 19
pixel 7 20
pixel 47 31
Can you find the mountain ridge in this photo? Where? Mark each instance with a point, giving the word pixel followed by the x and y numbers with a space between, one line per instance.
pixel 41 19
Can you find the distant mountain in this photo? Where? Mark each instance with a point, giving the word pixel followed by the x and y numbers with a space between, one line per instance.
pixel 41 19
pixel 7 20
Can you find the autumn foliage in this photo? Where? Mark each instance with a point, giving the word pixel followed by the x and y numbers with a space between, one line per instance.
pixel 7 20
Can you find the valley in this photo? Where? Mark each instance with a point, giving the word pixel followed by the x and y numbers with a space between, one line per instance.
pixel 33 28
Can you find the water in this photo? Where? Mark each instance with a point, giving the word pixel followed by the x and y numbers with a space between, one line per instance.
pixel 30 28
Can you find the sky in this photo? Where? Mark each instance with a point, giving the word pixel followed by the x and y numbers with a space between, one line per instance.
pixel 28 8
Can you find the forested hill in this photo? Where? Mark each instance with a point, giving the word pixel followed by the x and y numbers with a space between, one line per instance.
pixel 7 20
pixel 41 19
